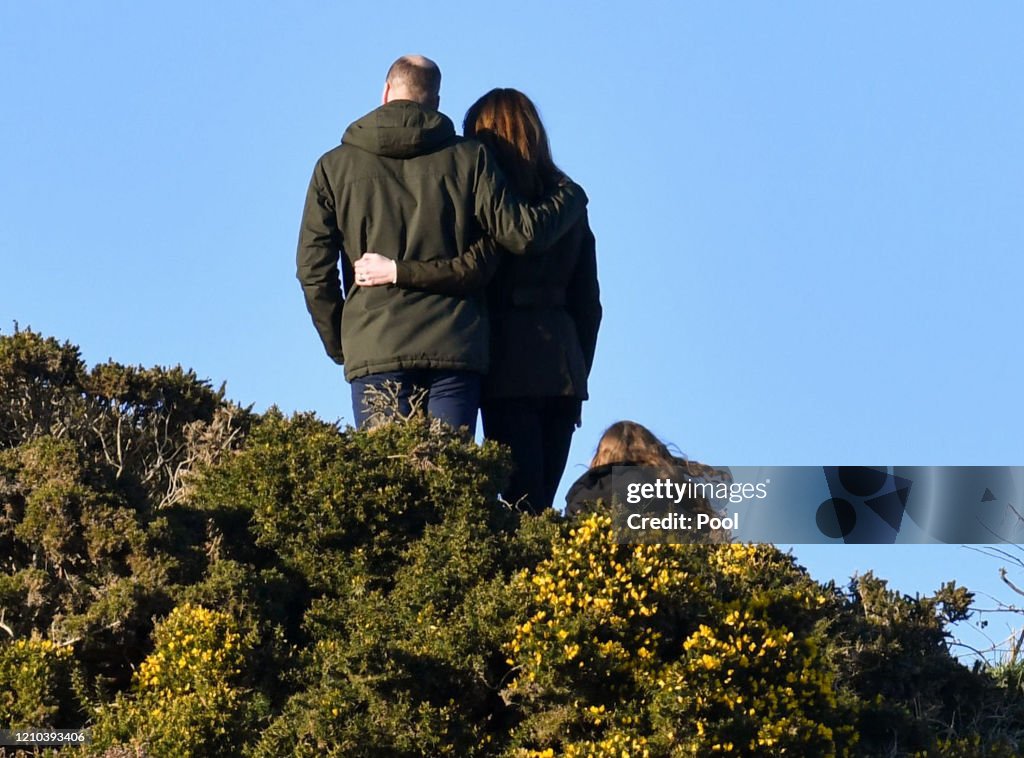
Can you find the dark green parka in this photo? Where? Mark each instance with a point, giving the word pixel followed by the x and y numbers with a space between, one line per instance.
pixel 403 182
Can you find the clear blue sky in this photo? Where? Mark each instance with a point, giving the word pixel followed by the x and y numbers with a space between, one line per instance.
pixel 809 216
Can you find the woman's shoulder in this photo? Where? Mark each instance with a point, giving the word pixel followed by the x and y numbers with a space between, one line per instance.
pixel 596 485
pixel 580 229
pixel 564 254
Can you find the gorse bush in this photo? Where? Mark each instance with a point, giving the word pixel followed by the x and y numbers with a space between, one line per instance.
pixel 188 578
pixel 92 464
pixel 395 539
pixel 36 675
pixel 186 695
pixel 684 649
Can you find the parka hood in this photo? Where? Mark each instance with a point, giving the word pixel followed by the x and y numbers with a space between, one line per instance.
pixel 400 129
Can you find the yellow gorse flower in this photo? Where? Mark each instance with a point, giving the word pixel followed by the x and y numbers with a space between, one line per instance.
pixel 595 604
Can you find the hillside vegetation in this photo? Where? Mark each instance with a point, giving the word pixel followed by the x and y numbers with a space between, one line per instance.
pixel 189 578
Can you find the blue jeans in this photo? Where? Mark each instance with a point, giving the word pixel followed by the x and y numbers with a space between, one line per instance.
pixel 452 396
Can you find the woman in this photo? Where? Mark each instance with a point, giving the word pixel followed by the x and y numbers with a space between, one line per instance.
pixel 544 309
pixel 629 444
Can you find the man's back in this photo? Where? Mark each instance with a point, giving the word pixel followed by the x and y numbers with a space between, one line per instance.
pixel 403 184
pixel 398 185
pixel 399 180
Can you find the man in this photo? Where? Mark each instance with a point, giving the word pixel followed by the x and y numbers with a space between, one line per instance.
pixel 402 181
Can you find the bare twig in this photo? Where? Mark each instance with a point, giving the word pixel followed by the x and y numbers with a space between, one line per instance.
pixel 994 552
pixel 1009 583
pixel 4 626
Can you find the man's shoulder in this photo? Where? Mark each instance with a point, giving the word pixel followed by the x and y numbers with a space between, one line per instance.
pixel 335 154
pixel 344 151
pixel 465 149
pixel 344 163
pixel 464 146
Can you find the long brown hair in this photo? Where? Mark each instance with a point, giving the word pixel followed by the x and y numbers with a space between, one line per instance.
pixel 628 442
pixel 507 121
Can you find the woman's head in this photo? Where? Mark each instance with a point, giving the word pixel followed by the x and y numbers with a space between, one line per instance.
pixel 507 121
pixel 628 442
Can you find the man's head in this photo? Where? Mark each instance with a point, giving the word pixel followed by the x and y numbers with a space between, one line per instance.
pixel 414 77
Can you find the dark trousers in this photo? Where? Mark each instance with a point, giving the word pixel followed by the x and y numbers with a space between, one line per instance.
pixel 538 431
pixel 452 396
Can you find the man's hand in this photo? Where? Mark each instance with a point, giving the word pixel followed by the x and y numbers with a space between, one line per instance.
pixel 373 270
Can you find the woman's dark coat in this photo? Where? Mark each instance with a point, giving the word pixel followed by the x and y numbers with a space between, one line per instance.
pixel 544 308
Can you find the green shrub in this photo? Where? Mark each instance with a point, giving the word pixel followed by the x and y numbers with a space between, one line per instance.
pixel 186 698
pixel 37 677
pixel 406 558
pixel 688 649
pixel 212 582
pixel 892 651
pixel 93 467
